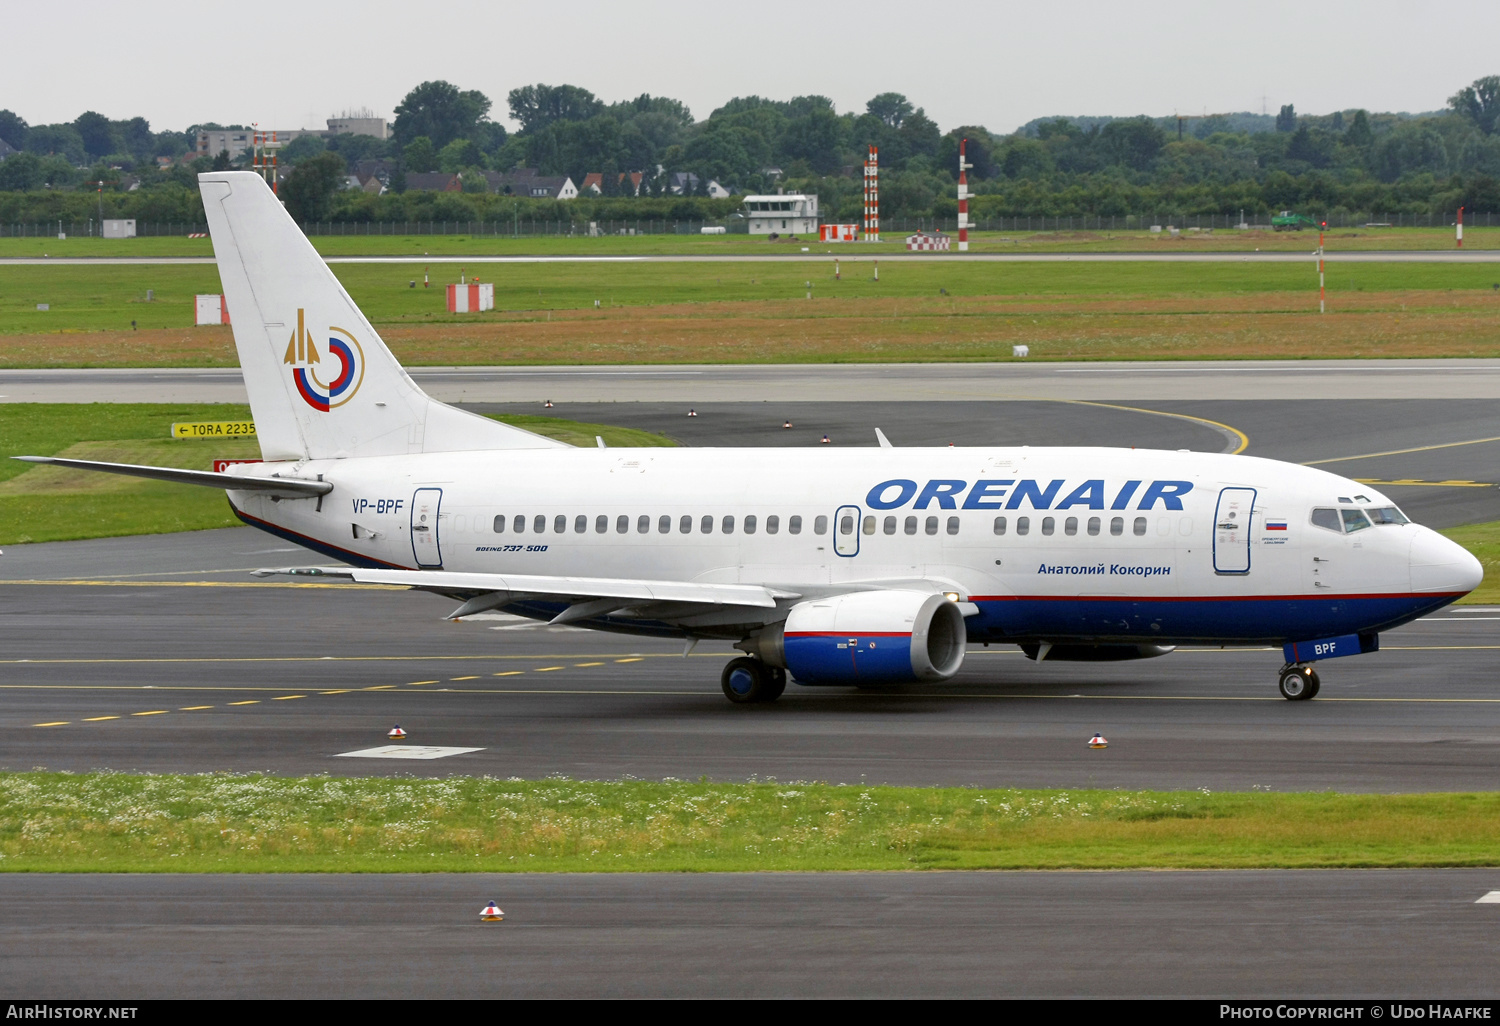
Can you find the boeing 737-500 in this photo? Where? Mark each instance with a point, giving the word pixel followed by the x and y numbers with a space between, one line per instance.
pixel 833 567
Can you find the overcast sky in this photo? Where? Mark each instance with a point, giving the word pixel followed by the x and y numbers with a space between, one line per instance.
pixel 995 64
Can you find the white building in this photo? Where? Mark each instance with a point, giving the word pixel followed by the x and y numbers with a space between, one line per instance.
pixel 789 214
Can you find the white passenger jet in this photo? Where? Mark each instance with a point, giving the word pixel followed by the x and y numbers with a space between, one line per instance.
pixel 844 567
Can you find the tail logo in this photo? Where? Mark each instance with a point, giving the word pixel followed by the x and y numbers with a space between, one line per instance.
pixel 303 357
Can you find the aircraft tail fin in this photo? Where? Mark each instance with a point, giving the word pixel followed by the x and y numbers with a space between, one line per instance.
pixel 322 384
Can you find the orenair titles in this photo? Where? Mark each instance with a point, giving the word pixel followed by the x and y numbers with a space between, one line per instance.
pixel 1009 494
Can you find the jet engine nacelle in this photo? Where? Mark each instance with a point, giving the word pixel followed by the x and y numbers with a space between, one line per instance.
pixel 867 637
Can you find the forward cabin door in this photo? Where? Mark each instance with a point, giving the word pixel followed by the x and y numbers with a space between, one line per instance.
pixel 1232 530
pixel 425 546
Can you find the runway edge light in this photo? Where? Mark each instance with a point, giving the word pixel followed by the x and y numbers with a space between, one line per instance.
pixel 397 734
pixel 1097 741
pixel 491 913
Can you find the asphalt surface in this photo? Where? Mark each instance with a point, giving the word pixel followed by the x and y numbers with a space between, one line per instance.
pixel 817 251
pixel 1228 935
pixel 1315 380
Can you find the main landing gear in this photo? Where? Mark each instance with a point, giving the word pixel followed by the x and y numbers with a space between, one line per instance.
pixel 1298 682
pixel 747 680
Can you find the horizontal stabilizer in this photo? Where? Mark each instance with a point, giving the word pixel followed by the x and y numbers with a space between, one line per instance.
pixel 507 587
pixel 285 487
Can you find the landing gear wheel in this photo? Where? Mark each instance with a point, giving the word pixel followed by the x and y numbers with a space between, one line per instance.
pixel 747 680
pixel 1316 683
pixel 775 682
pixel 1297 683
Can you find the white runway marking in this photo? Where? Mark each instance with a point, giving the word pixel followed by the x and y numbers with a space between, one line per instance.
pixel 406 752
pixel 1492 898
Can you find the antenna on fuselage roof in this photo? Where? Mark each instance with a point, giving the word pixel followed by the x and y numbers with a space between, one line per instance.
pixel 885 443
pixel 600 440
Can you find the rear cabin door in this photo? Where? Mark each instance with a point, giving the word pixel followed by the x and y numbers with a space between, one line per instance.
pixel 425 546
pixel 846 531
pixel 1232 530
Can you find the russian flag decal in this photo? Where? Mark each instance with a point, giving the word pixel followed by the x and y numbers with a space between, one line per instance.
pixel 1275 525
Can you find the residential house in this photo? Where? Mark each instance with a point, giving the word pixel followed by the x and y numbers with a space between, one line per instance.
pixel 524 181
pixel 6 149
pixel 433 181
pixel 686 183
pixel 594 181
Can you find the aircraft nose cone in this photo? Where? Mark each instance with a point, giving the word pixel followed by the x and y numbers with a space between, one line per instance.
pixel 1440 565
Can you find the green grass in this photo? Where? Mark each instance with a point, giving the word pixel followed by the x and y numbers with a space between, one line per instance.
pixel 109 822
pixel 1484 541
pixel 39 503
pixel 111 297
pixel 1082 240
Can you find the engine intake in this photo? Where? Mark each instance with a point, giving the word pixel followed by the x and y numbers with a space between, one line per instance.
pixel 867 637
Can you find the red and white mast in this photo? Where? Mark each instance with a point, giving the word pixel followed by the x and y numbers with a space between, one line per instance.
pixel 872 196
pixel 963 196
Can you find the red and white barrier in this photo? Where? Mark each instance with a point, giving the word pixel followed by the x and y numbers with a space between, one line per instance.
pixel 210 309
pixel 963 196
pixel 929 240
pixel 471 298
pixel 838 233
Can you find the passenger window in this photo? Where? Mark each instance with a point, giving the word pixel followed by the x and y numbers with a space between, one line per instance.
pixel 1023 525
pixel 580 524
pixel 999 525
pixel 820 525
pixel 846 524
pixel 500 524
pixel 1354 520
pixel 869 527
pixel 1327 519
pixel 518 525
pixel 707 524
pixel 685 525
pixel 1140 527
pixel 643 524
pixel 539 524
pixel 911 525
pixel 1185 526
pixel 1116 526
pixel 1387 515
pixel 1093 526
pixel 622 524
pixel 750 524
pixel 953 525
pixel 601 524
pixel 1047 524
pixel 931 526
pixel 560 524
pixel 458 522
pixel 1070 526
pixel 773 524
pixel 664 524
pixel 728 526
pixel 794 524
pixel 890 525
pixel 1164 526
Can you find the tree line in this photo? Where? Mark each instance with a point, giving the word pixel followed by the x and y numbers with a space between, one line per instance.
pixel 1347 161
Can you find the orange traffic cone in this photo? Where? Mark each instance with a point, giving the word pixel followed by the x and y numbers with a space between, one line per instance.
pixel 826 440
pixel 787 424
pixel 397 734
pixel 1097 741
pixel 491 913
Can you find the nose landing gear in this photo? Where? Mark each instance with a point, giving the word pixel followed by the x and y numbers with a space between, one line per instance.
pixel 1298 682
pixel 747 680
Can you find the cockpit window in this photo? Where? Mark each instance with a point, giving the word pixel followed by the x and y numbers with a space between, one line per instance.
pixel 1354 520
pixel 1387 515
pixel 1327 518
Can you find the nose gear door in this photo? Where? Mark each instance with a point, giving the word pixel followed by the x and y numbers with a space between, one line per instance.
pixel 1232 530
pixel 425 547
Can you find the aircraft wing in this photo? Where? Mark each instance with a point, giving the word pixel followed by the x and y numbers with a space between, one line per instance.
pixel 588 597
pixel 285 487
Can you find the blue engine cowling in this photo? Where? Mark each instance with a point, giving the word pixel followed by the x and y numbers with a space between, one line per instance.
pixel 867 637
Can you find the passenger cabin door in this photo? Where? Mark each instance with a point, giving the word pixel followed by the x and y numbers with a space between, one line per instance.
pixel 846 531
pixel 1232 530
pixel 425 547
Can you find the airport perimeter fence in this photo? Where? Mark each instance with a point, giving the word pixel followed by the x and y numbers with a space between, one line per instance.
pixel 891 226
